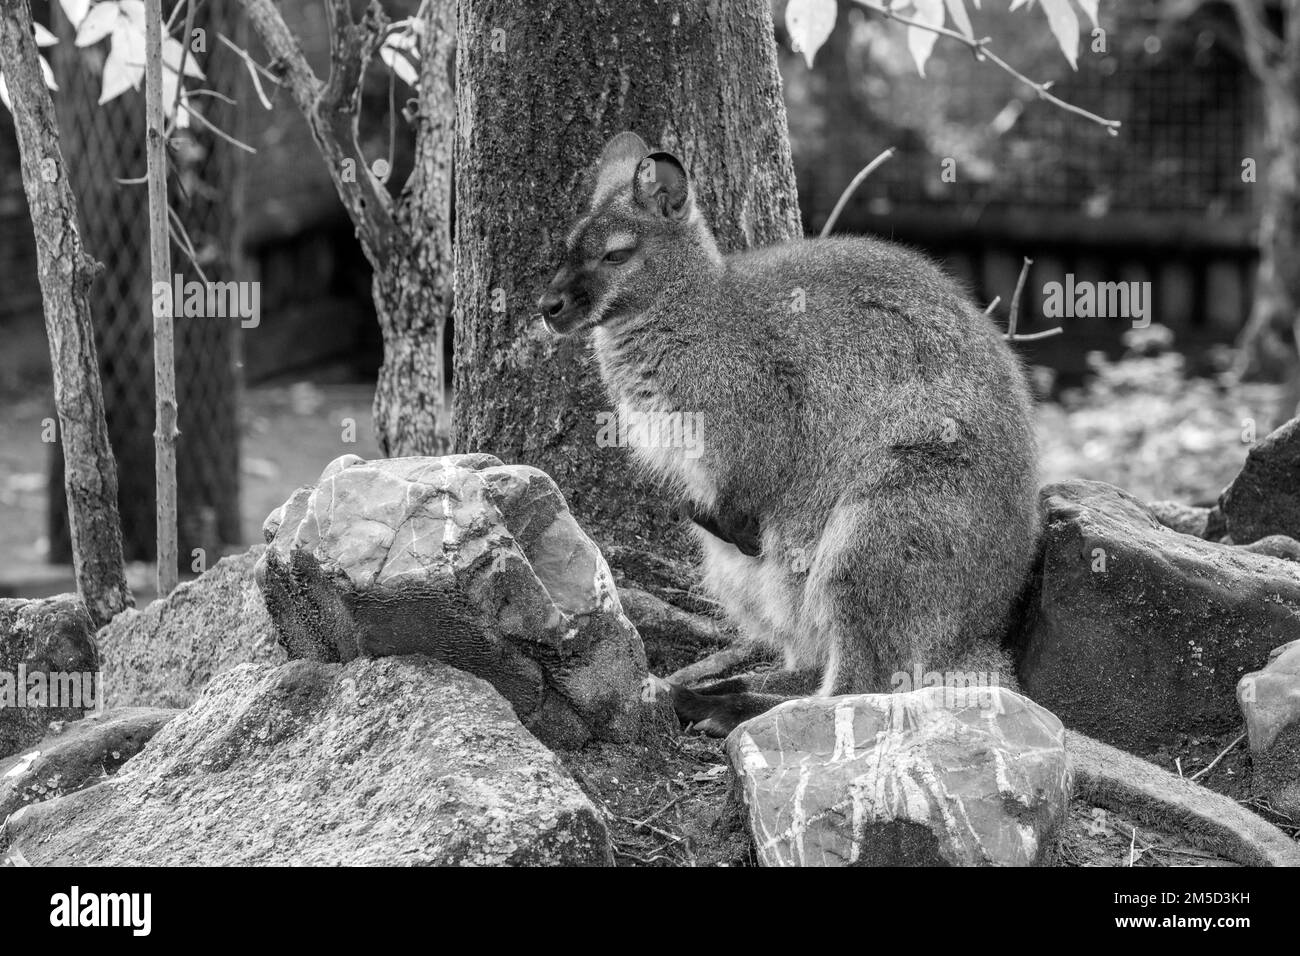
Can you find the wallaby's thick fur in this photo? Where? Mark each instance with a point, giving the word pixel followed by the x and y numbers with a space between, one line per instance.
pixel 867 477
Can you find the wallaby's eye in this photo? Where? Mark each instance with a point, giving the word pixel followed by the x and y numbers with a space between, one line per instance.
pixel 616 256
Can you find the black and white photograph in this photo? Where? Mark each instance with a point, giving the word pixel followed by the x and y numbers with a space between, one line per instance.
pixel 651 434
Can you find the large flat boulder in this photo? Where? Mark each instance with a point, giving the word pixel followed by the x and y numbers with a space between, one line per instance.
pixel 48 667
pixel 933 777
pixel 166 654
pixel 393 761
pixel 475 563
pixel 1135 633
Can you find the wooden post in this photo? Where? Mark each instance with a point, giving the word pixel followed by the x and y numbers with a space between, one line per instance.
pixel 164 369
pixel 66 272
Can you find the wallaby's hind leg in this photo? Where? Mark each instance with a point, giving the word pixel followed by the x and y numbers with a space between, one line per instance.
pixel 903 580
pixel 905 586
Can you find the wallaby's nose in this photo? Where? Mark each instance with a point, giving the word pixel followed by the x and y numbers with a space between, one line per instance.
pixel 552 303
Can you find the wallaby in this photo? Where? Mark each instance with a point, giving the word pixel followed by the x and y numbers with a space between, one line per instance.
pixel 866 493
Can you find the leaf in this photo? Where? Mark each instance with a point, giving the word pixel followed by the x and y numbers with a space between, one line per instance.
pixel 810 22
pixel 400 64
pixel 172 54
pixel 98 24
pixel 1090 8
pixel 75 10
pixel 4 93
pixel 133 10
pixel 44 37
pixel 921 42
pixel 957 11
pixel 1065 27
pixel 126 35
pixel 48 74
pixel 123 69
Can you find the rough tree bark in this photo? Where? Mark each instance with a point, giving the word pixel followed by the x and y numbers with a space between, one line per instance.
pixel 66 272
pixel 540 87
pixel 408 240
pixel 1269 342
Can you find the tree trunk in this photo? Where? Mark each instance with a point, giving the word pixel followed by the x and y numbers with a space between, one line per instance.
pixel 65 273
pixel 540 88
pixel 412 288
pixel 1268 344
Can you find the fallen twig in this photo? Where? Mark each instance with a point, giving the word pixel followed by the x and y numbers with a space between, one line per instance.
pixel 1206 769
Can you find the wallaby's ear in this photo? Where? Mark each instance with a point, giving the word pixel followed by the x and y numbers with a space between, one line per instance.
pixel 661 184
pixel 616 166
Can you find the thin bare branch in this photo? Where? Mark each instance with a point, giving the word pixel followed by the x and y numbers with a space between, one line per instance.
pixel 1035 336
pixel 214 94
pixel 208 124
pixel 851 188
pixel 1261 46
pixel 1014 318
pixel 183 242
pixel 1015 298
pixel 333 128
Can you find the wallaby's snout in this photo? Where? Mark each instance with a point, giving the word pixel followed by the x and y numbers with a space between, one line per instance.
pixel 556 304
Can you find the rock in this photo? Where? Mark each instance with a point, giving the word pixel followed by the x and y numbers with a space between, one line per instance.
pixel 1134 633
pixel 1185 519
pixel 1140 791
pixel 1270 702
pixel 81 753
pixel 1264 498
pixel 467 560
pixel 47 656
pixel 166 654
pixel 1276 546
pixel 922 778
pixel 396 761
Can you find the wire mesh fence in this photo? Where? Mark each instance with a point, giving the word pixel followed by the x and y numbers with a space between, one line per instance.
pixel 104 149
pixel 1189 107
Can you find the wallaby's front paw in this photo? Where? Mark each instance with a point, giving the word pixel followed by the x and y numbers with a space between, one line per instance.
pixel 737 529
